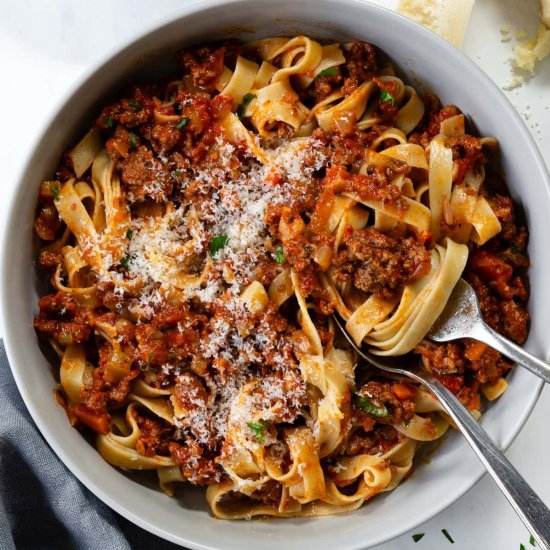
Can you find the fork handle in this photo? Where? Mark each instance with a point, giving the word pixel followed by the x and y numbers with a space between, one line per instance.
pixel 492 338
pixel 528 506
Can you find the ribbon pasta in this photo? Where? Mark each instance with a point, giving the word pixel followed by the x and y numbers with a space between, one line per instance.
pixel 206 236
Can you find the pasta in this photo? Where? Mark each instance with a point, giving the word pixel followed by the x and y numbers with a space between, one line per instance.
pixel 200 236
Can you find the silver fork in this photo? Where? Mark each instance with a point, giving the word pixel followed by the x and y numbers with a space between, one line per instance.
pixel 461 318
pixel 529 507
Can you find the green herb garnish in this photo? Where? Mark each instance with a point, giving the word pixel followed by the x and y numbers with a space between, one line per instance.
pixel 241 109
pixel 125 262
pixel 176 173
pixel 258 429
pixel 136 105
pixel 366 405
pixel 182 123
pixel 108 122
pixel 331 71
pixel 133 141
pixel 385 96
pixel 448 537
pixel 279 255
pixel 417 537
pixel 532 540
pixel 129 234
pixel 217 243
pixel 150 357
pixel 55 191
pixel 522 547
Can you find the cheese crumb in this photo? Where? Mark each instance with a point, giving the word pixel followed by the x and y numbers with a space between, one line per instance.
pixel 526 56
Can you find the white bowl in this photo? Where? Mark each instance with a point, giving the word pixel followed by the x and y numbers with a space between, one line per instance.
pixel 423 57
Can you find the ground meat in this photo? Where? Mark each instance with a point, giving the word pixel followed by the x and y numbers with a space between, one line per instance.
pixel 467 155
pixel 298 252
pixel 269 494
pixel 433 117
pixel 443 359
pixel 437 114
pixel 65 333
pixel 374 186
pixel 512 233
pixel 130 111
pixel 348 150
pixel 462 365
pixel 144 175
pixel 47 222
pixel 381 394
pixel 164 137
pixel 324 86
pixel 387 108
pixel 515 321
pixel 360 66
pixel 153 437
pixel 501 296
pixel 61 319
pixel 195 466
pixel 376 441
pixel 104 392
pixel 49 259
pixel 377 263
pixel 204 64
pixel 190 393
pixel 498 274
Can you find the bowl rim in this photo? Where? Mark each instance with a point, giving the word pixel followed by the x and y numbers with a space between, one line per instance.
pixel 10 221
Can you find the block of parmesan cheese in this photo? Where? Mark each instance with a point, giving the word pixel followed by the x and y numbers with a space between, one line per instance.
pixel 545 12
pixel 448 18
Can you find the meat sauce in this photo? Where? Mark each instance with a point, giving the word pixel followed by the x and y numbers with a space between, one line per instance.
pixel 149 153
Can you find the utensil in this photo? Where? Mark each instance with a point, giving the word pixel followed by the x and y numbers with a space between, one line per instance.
pixel 529 507
pixel 462 318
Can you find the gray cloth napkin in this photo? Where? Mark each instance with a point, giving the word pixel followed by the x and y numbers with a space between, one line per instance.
pixel 42 505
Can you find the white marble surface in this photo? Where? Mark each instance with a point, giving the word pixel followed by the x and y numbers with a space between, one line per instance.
pixel 46 46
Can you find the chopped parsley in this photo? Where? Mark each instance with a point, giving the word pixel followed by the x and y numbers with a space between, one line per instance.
pixel 385 96
pixel 366 405
pixel 108 122
pixel 417 537
pixel 133 141
pixel 448 537
pixel 241 109
pixel 171 355
pixel 136 105
pixel 258 429
pixel 55 191
pixel 279 255
pixel 522 547
pixel 532 540
pixel 125 262
pixel 176 173
pixel 184 121
pixel 150 357
pixel 129 234
pixel 327 72
pixel 217 243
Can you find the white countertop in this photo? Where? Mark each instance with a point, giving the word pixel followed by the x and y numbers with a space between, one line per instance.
pixel 46 46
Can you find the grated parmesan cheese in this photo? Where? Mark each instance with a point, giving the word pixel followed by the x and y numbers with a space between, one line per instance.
pixel 169 250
